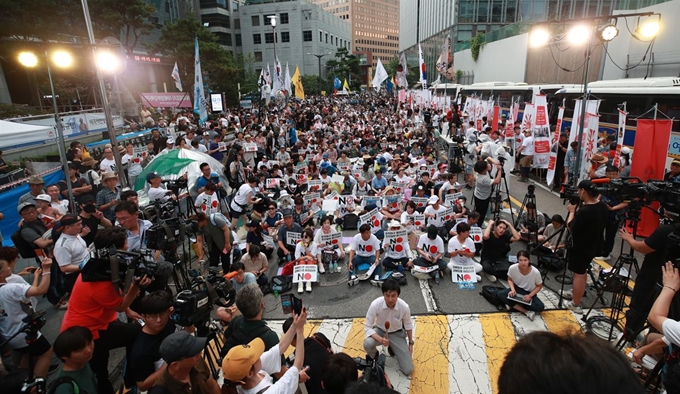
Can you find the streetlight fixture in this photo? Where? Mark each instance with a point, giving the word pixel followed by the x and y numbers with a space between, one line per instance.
pixel 61 59
pixel 318 57
pixel 582 32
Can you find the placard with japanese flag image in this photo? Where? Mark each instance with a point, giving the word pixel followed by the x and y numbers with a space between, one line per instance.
pixel 372 218
pixel 451 198
pixel 418 219
pixel 305 273
pixel 301 179
pixel 421 202
pixel 394 241
pixel 272 183
pixel 463 273
pixel 444 215
pixel 476 234
pixel 331 239
pixel 311 199
pixel 314 185
pixel 250 147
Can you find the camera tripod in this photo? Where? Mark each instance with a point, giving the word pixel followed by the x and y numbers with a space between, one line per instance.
pixel 618 284
pixel 497 199
pixel 529 198
pixel 33 323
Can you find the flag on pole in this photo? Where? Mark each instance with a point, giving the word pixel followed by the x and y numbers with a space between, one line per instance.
pixel 297 82
pixel 287 82
pixel 264 86
pixel 402 71
pixel 175 76
pixel 389 85
pixel 200 104
pixel 619 139
pixel 445 61
pixel 552 163
pixel 268 76
pixel 278 83
pixel 380 75
pixel 423 70
pixel 345 86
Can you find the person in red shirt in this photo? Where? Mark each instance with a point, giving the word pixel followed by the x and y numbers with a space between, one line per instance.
pixel 95 305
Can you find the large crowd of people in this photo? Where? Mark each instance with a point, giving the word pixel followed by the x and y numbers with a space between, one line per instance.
pixel 295 180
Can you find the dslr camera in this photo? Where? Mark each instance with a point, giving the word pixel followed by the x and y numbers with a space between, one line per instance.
pixel 373 369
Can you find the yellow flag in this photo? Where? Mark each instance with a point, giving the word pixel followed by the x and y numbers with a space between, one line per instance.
pixel 345 86
pixel 297 82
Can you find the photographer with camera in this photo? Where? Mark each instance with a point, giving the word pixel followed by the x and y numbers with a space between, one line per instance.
pixel 216 233
pixel 586 228
pixel 388 323
pixel 248 367
pixel 127 216
pixel 13 296
pixel 484 185
pixel 95 305
pixel 92 218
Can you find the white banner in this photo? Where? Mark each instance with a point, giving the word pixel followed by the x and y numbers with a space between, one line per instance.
pixel 552 162
pixel 541 132
pixel 619 138
pixel 589 143
pixel 592 107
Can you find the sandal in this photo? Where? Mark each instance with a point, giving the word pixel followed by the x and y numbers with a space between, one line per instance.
pixel 61 305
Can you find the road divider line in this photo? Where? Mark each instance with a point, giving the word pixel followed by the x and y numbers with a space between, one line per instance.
pixel 499 337
pixel 431 356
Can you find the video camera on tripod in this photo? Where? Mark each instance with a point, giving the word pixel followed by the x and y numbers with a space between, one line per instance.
pixel 373 368
pixel 110 264
pixel 194 305
pixel 175 185
pixel 167 229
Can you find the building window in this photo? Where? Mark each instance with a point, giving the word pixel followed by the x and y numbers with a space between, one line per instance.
pixel 268 38
pixel 268 19
pixel 237 24
pixel 285 36
pixel 307 36
pixel 224 38
pixel 255 20
pixel 238 40
pixel 336 41
pixel 217 20
pixel 258 56
pixel 326 38
pixel 284 18
pixel 234 6
pixel 257 39
pixel 320 36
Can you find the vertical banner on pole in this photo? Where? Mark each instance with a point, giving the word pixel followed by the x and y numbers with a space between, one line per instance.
pixel 496 117
pixel 552 162
pixel 589 139
pixel 651 148
pixel 541 132
pixel 592 107
pixel 619 138
pixel 528 117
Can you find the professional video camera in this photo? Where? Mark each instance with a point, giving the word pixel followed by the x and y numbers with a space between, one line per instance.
pixel 193 306
pixel 118 265
pixel 569 193
pixel 175 185
pixel 374 369
pixel 165 233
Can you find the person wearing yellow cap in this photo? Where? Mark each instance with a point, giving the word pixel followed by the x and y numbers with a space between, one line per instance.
pixel 248 367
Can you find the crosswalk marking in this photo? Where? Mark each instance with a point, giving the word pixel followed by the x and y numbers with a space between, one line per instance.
pixel 431 351
pixel 468 366
pixel 499 336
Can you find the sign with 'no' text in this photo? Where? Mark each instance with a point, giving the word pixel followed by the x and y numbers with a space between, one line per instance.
pixel 305 273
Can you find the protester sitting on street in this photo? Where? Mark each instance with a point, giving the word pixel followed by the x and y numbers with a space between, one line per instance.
pixel 398 255
pixel 496 246
pixel 364 250
pixel 272 220
pixel 328 248
pixel 434 216
pixel 255 237
pixel 555 243
pixel 392 204
pixel 430 252
pixel 524 280
pixel 462 249
pixel 239 277
pixel 256 263
pixel 286 249
pixel 75 347
pixel 306 253
pixel 531 224
pixel 409 224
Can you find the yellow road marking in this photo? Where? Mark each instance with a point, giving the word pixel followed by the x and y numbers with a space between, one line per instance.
pixel 559 321
pixel 311 327
pixel 430 355
pixel 354 344
pixel 499 337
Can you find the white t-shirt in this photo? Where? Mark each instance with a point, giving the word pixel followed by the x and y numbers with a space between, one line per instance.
pixel 365 248
pixel 71 250
pixel 483 186
pixel 134 164
pixel 528 145
pixel 399 251
pixel 454 244
pixel 107 165
pixel 301 250
pixel 241 197
pixel 432 211
pixel 207 203
pixel 526 282
pixel 157 193
pixel 405 180
pixel 11 295
pixel 431 246
pixel 271 363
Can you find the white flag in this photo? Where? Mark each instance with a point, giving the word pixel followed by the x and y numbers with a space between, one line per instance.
pixel 402 71
pixel 175 76
pixel 278 81
pixel 380 75
pixel 288 81
pixel 200 104
pixel 268 76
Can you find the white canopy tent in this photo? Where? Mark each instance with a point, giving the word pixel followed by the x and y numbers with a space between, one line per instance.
pixel 14 134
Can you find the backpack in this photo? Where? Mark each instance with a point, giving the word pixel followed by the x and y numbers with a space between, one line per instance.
pixel 400 278
pixel 26 249
pixel 350 221
pixel 239 337
pixel 281 283
pixel 490 293
pixel 64 380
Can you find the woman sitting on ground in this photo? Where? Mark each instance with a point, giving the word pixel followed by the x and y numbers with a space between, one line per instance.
pixel 524 281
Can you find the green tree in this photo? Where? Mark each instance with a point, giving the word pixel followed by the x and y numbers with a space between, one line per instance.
pixel 391 66
pixel 127 19
pixel 177 43
pixel 311 84
pixel 343 65
pixel 40 20
pixel 248 78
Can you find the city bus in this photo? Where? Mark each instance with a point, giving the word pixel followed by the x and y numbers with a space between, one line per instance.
pixel 640 96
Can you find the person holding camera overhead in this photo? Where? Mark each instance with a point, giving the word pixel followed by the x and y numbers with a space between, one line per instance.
pixel 13 294
pixel 95 305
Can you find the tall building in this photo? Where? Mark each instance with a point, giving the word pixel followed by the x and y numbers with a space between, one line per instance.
pixel 222 18
pixel 306 35
pixel 375 25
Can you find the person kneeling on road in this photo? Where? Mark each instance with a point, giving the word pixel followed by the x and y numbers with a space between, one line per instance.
pixel 388 323
pixel 248 367
pixel 524 281
pixel 431 250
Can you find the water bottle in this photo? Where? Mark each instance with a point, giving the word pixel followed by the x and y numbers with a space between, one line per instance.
pixel 276 293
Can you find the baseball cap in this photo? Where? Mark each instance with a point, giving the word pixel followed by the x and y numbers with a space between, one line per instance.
pixel 36 180
pixel 44 197
pixel 433 200
pixel 181 345
pixel 151 175
pixel 287 213
pixel 170 141
pixel 240 360
pixel 394 223
pixel 24 205
pixel 67 220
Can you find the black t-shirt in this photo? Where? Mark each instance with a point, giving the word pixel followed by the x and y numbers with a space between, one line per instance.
pixel 495 249
pixel 658 240
pixel 145 353
pixel 316 356
pixel 93 223
pixel 159 144
pixel 79 182
pixel 586 230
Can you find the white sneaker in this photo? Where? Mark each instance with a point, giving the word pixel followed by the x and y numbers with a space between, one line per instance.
pixel 531 315
pixel 574 308
pixel 322 270
pixel 567 294
pixel 491 278
pixel 301 288
pixel 309 287
pixel 479 278
pixel 604 258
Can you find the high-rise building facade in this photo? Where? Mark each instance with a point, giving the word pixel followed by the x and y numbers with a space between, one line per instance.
pixel 374 23
pixel 222 18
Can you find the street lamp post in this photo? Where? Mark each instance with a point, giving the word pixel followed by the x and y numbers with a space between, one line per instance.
pixel 61 59
pixel 105 99
pixel 318 57
pixel 272 22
